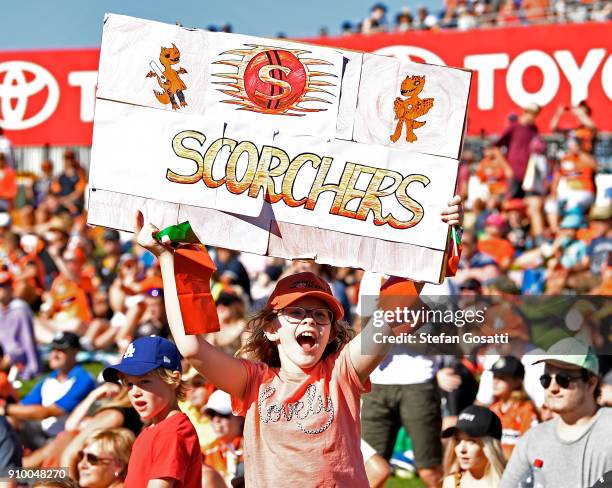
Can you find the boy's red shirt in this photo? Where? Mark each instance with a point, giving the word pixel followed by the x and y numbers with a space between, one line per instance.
pixel 169 449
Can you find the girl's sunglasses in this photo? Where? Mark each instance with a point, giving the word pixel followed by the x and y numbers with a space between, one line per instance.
pixel 92 459
pixel 562 379
pixel 321 316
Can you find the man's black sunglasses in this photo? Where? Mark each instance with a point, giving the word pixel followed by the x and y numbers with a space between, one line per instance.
pixel 562 379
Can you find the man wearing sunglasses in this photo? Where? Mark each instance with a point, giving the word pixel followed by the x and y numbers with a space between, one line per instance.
pixel 576 446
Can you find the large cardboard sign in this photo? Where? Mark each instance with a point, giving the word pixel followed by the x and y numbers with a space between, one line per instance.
pixel 277 148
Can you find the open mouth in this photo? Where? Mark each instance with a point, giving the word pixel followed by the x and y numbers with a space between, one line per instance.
pixel 406 91
pixel 307 340
pixel 140 404
pixel 175 60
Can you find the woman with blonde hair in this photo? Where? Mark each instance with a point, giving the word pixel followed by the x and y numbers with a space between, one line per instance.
pixel 103 461
pixel 474 456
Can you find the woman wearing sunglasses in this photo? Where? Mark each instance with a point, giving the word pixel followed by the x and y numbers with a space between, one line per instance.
pixel 103 461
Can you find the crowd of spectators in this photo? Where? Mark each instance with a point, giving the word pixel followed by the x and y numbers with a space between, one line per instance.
pixel 471 14
pixel 535 223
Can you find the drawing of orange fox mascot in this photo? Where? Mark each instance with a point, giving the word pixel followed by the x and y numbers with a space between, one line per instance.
pixel 169 80
pixel 406 111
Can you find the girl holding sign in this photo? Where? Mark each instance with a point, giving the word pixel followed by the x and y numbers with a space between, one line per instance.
pixel 300 390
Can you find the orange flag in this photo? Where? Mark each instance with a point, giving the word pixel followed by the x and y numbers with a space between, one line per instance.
pixel 193 268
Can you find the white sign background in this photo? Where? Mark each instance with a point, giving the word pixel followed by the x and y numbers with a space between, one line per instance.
pixel 136 143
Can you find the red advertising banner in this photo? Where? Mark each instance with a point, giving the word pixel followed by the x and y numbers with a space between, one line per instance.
pixel 550 65
pixel 47 97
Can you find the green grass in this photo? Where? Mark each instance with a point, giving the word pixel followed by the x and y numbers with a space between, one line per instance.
pixel 93 369
pixel 395 482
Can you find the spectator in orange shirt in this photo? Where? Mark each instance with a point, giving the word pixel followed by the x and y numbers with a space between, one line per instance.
pixel 32 263
pixel 583 129
pixel 494 244
pixel 573 183
pixel 494 172
pixel 535 10
pixel 8 184
pixel 66 308
pixel 26 266
pixel 511 403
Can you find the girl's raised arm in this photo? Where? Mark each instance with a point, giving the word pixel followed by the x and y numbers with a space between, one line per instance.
pixel 224 371
pixel 384 323
pixel 375 340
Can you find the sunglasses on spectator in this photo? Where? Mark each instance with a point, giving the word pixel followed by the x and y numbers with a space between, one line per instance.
pixel 562 379
pixel 92 459
pixel 220 415
pixel 321 316
pixel 213 413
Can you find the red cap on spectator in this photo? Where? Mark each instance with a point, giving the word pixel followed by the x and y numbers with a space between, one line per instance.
pixel 299 285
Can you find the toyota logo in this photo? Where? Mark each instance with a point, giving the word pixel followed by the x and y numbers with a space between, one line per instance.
pixel 15 86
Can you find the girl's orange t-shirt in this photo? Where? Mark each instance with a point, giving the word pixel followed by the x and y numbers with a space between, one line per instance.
pixel 304 429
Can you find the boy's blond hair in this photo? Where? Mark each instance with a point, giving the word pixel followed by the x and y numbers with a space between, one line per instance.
pixel 166 376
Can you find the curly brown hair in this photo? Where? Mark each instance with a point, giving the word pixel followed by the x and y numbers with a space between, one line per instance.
pixel 258 348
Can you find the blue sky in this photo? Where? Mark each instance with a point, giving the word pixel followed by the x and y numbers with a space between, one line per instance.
pixel 27 24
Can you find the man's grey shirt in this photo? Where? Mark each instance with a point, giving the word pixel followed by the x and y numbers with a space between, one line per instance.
pixel 576 464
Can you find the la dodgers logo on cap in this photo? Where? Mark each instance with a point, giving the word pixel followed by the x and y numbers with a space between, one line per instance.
pixel 143 356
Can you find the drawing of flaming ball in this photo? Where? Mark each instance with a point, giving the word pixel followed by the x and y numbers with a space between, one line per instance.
pixel 275 81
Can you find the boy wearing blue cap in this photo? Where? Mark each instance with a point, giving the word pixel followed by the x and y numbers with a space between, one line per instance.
pixel 167 453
